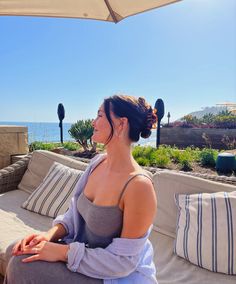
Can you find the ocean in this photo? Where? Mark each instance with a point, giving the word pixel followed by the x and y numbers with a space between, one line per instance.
pixel 50 132
pixel 43 131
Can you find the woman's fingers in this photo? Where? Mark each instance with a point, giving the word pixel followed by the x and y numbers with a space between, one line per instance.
pixel 20 246
pixel 31 258
pixel 29 250
pixel 16 247
pixel 26 241
pixel 35 241
pixel 46 251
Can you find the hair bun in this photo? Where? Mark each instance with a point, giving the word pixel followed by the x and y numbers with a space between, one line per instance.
pixel 145 133
pixel 142 101
pixel 150 123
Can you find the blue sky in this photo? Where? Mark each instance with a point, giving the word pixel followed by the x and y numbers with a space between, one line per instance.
pixel 184 53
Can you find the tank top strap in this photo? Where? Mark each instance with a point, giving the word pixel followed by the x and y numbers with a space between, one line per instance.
pixel 125 186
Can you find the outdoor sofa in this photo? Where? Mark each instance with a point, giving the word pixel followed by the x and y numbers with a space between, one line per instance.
pixel 20 179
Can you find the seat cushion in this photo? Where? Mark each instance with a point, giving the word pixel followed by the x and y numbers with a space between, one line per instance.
pixel 172 269
pixel 16 222
pixel 39 165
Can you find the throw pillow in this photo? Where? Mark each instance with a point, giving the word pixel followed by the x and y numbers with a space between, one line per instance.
pixel 206 230
pixel 52 197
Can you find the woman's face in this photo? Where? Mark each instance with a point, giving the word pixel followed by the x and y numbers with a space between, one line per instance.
pixel 102 128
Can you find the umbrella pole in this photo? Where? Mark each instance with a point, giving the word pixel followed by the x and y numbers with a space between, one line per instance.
pixel 111 11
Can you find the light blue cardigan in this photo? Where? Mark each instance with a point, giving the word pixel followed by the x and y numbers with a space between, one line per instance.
pixel 124 261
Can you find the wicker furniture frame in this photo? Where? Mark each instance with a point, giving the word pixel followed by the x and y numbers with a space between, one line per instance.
pixel 11 176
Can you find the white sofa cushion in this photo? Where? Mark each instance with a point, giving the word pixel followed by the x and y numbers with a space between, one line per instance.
pixel 206 230
pixel 172 269
pixel 39 165
pixel 52 197
pixel 16 222
pixel 167 184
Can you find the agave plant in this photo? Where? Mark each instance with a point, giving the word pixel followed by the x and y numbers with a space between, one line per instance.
pixel 82 132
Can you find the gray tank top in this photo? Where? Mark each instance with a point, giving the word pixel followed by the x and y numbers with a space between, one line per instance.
pixel 101 223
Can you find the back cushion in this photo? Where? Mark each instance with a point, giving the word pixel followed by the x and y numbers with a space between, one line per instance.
pixel 52 197
pixel 167 184
pixel 39 166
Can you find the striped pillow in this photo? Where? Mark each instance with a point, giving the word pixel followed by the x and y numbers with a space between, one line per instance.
pixel 53 195
pixel 206 230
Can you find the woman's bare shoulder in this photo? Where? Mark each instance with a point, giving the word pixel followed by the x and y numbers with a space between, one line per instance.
pixel 139 207
pixel 140 187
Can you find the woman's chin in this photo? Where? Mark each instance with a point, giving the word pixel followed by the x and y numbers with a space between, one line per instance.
pixel 96 139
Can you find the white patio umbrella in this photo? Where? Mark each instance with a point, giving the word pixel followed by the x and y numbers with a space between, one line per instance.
pixel 104 10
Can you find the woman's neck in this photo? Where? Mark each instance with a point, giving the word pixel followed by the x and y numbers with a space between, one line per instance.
pixel 119 158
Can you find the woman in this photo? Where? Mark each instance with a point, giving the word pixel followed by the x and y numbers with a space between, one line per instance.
pixel 103 237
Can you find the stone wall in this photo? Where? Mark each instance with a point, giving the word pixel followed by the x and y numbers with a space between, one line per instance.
pixel 183 137
pixel 13 141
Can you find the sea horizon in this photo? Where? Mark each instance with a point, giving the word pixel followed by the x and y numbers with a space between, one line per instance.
pixel 50 132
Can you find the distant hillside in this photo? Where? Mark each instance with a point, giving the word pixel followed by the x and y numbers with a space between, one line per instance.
pixel 214 110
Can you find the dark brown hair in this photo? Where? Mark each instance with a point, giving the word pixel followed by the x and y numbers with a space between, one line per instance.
pixel 139 113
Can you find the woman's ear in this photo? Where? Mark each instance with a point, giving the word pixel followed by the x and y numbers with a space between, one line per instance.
pixel 124 122
pixel 123 126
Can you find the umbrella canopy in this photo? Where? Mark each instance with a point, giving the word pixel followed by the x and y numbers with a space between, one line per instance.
pixel 104 10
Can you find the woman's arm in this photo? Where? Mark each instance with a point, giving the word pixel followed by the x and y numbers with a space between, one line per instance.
pixel 56 232
pixel 140 205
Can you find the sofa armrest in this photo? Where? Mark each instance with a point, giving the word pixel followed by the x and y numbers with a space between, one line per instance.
pixel 11 176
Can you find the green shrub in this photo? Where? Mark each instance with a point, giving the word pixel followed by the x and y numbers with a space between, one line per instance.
pixel 208 157
pixel 196 154
pixel 165 150
pixel 148 152
pixel 175 155
pixel 150 156
pixel 143 152
pixel 37 145
pixel 185 160
pixel 164 155
pixel 142 161
pixel 193 152
pixel 138 152
pixel 72 146
pixel 160 159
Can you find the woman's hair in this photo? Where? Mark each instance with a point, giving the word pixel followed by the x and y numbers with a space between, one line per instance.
pixel 139 113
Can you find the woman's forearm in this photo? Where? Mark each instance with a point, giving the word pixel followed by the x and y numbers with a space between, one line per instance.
pixel 56 232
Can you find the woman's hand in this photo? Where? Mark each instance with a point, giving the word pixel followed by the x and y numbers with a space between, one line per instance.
pixel 47 251
pixel 29 241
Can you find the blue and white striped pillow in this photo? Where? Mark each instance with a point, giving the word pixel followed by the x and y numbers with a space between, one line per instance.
pixel 206 230
pixel 52 197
